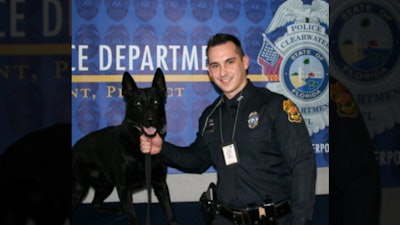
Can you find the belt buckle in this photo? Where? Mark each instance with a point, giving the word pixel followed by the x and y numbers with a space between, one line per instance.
pixel 238 217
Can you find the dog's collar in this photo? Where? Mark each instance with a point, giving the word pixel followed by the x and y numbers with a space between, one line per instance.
pixel 163 130
pixel 138 128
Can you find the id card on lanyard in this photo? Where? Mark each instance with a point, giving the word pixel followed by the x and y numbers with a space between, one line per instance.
pixel 230 152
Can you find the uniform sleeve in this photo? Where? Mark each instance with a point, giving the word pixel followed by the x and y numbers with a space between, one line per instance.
pixel 192 159
pixel 295 144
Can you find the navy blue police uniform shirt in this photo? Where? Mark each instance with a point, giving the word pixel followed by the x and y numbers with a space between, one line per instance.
pixel 275 155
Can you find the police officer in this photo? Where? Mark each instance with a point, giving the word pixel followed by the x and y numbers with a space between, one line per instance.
pixel 255 139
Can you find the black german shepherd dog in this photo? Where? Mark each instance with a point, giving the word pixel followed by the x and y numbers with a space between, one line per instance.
pixel 110 157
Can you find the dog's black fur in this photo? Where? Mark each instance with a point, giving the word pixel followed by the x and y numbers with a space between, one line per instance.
pixel 111 157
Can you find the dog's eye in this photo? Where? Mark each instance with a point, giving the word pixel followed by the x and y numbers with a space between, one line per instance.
pixel 155 102
pixel 138 103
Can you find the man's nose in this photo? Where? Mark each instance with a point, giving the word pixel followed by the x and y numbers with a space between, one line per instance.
pixel 223 71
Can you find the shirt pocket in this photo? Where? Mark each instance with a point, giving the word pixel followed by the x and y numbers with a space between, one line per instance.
pixel 260 145
pixel 260 133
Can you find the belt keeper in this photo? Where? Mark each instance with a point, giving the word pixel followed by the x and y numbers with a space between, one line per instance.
pixel 239 215
pixel 253 212
pixel 269 209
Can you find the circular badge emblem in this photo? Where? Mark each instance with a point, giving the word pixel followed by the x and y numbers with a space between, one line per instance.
pixel 305 74
pixel 365 42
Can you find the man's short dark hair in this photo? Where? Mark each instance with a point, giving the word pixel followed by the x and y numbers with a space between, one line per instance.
pixel 222 38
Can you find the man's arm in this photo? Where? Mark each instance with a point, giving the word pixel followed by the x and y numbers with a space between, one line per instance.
pixel 191 159
pixel 300 157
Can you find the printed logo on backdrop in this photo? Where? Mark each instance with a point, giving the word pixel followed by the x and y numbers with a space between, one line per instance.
pixel 294 58
pixel 365 56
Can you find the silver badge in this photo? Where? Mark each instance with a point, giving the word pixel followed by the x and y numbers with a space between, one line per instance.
pixel 252 121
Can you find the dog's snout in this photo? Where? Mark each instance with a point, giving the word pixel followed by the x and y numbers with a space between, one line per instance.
pixel 150 120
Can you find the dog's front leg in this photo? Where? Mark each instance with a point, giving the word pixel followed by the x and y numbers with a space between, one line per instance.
pixel 125 197
pixel 162 193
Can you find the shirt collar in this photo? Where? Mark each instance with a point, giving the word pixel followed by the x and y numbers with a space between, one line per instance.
pixel 245 93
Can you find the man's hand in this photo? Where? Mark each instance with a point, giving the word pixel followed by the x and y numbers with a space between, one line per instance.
pixel 150 145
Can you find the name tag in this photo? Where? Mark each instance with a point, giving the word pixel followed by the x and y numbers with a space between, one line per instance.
pixel 231 155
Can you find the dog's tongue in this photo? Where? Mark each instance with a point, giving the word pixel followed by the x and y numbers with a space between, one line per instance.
pixel 150 130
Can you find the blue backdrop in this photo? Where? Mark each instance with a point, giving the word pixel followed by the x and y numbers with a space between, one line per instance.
pixel 110 37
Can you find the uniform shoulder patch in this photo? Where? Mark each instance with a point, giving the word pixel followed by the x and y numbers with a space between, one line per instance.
pixel 291 109
pixel 345 104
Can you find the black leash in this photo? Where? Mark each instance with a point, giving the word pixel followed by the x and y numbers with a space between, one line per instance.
pixel 148 185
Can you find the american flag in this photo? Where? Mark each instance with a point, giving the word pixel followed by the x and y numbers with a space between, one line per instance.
pixel 270 61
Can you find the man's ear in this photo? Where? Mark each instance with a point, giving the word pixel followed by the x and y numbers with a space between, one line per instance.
pixel 246 61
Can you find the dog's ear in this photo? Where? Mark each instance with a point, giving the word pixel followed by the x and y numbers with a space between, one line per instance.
pixel 159 82
pixel 128 84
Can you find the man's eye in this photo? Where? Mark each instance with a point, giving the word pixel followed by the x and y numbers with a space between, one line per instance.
pixel 214 66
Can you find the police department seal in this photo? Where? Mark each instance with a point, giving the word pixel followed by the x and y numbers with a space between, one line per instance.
pixel 365 57
pixel 294 58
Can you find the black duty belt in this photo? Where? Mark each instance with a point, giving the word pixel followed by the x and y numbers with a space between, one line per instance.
pixel 268 213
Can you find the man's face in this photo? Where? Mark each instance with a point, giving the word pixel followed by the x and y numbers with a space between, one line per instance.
pixel 227 68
